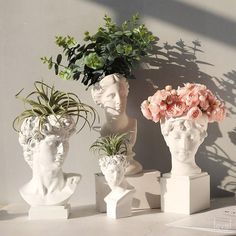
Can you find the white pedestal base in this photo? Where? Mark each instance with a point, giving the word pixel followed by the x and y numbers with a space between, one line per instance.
pixel 185 194
pixel 118 208
pixel 146 184
pixel 49 212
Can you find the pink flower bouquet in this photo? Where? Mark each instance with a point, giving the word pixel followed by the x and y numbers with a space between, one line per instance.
pixel 191 100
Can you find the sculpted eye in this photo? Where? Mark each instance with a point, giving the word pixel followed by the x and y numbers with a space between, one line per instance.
pixel 176 136
pixel 111 95
pixel 57 143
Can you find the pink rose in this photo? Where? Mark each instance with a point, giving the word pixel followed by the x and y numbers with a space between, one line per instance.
pixel 204 105
pixel 176 109
pixel 194 113
pixel 154 108
pixel 163 106
pixel 168 87
pixel 191 100
pixel 156 118
pixel 160 95
pixel 145 110
pixel 217 114
pixel 210 96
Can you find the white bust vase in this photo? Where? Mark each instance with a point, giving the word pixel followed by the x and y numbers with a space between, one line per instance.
pixel 119 200
pixel 111 94
pixel 45 149
pixel 183 137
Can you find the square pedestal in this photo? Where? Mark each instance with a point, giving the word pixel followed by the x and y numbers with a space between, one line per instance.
pixel 146 184
pixel 49 212
pixel 185 194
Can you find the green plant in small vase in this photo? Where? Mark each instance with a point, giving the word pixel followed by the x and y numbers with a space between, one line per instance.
pixel 112 152
pixel 113 162
pixel 113 49
pixel 112 145
pixel 45 126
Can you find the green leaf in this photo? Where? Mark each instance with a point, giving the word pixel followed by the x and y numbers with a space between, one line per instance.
pixel 56 69
pixel 59 58
pixel 94 61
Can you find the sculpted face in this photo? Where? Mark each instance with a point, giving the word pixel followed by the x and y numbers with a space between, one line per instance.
pixel 114 99
pixel 52 151
pixel 183 142
pixel 114 176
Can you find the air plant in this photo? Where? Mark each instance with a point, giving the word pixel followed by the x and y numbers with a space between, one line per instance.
pixel 45 101
pixel 115 144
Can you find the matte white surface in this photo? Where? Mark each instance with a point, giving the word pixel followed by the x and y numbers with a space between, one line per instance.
pixel 146 184
pixel 185 194
pixel 85 221
pixel 49 212
pixel 119 204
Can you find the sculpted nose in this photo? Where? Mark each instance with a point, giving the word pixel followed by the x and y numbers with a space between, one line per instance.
pixel 118 99
pixel 61 148
pixel 185 142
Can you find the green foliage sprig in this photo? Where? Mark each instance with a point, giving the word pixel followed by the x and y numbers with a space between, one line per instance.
pixel 111 145
pixel 113 49
pixel 46 100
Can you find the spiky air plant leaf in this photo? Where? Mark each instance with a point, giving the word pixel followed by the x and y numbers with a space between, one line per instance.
pixel 111 145
pixel 45 100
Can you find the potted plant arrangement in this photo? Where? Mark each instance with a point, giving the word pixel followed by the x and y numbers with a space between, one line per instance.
pixel 106 60
pixel 113 162
pixel 184 114
pixel 113 49
pixel 45 126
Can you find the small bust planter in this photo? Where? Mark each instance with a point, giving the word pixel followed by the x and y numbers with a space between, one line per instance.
pixel 113 165
pixel 45 129
pixel 184 115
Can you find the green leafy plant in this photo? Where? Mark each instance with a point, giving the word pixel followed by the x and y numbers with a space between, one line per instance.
pixel 46 100
pixel 112 49
pixel 115 144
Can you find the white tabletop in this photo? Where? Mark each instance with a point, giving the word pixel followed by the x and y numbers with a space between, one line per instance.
pixel 85 221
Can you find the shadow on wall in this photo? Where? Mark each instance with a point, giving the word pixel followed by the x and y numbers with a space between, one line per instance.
pixel 228 183
pixel 175 65
pixel 181 14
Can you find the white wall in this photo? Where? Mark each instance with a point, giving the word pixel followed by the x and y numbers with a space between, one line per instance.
pixel 27 29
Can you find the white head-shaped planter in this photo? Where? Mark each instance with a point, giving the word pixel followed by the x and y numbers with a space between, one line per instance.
pixel 45 147
pixel 113 168
pixel 183 137
pixel 111 94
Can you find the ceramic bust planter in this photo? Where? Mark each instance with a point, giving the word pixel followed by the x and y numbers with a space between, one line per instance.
pixel 119 200
pixel 183 137
pixel 49 119
pixel 45 149
pixel 184 114
pixel 111 94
